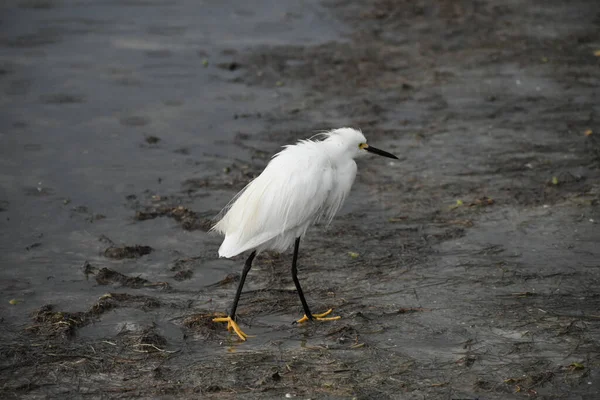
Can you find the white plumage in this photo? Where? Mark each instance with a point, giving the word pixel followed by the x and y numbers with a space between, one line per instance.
pixel 304 183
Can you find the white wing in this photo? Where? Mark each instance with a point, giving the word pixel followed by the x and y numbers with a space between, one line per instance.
pixel 296 189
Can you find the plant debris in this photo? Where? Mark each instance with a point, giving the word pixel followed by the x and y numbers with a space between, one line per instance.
pixel 202 324
pixel 183 275
pixel 482 202
pixel 189 219
pixel 152 139
pixel 106 276
pixel 119 253
pixel 51 323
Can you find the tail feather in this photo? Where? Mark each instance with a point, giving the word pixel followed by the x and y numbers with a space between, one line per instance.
pixel 231 245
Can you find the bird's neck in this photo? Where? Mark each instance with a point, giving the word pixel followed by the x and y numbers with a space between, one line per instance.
pixel 337 151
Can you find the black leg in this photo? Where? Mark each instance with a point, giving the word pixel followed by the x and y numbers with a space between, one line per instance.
pixel 238 293
pixel 297 282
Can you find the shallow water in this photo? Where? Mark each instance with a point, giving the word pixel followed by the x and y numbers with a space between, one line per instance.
pixel 114 114
pixel 84 85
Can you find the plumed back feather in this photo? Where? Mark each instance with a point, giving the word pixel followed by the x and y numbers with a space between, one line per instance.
pixel 301 185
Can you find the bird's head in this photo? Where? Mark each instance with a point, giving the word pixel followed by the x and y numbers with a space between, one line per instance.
pixel 353 142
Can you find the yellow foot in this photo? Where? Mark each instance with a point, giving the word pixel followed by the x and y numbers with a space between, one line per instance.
pixel 231 324
pixel 320 317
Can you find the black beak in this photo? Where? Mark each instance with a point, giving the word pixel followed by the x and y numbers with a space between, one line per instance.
pixel 373 150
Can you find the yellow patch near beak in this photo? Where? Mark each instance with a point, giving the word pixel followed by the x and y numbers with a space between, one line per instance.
pixel 363 146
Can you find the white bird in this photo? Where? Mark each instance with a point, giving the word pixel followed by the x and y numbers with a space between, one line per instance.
pixel 303 184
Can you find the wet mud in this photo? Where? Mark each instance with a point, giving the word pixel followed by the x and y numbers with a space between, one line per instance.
pixel 468 269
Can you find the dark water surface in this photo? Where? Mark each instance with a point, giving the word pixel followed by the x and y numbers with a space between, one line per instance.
pixel 469 269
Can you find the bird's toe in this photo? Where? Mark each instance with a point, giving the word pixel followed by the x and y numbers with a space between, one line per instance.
pixel 232 325
pixel 319 317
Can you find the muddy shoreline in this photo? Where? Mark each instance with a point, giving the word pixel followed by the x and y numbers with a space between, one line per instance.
pixel 470 268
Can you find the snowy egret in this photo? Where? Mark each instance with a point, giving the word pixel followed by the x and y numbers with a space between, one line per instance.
pixel 303 184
